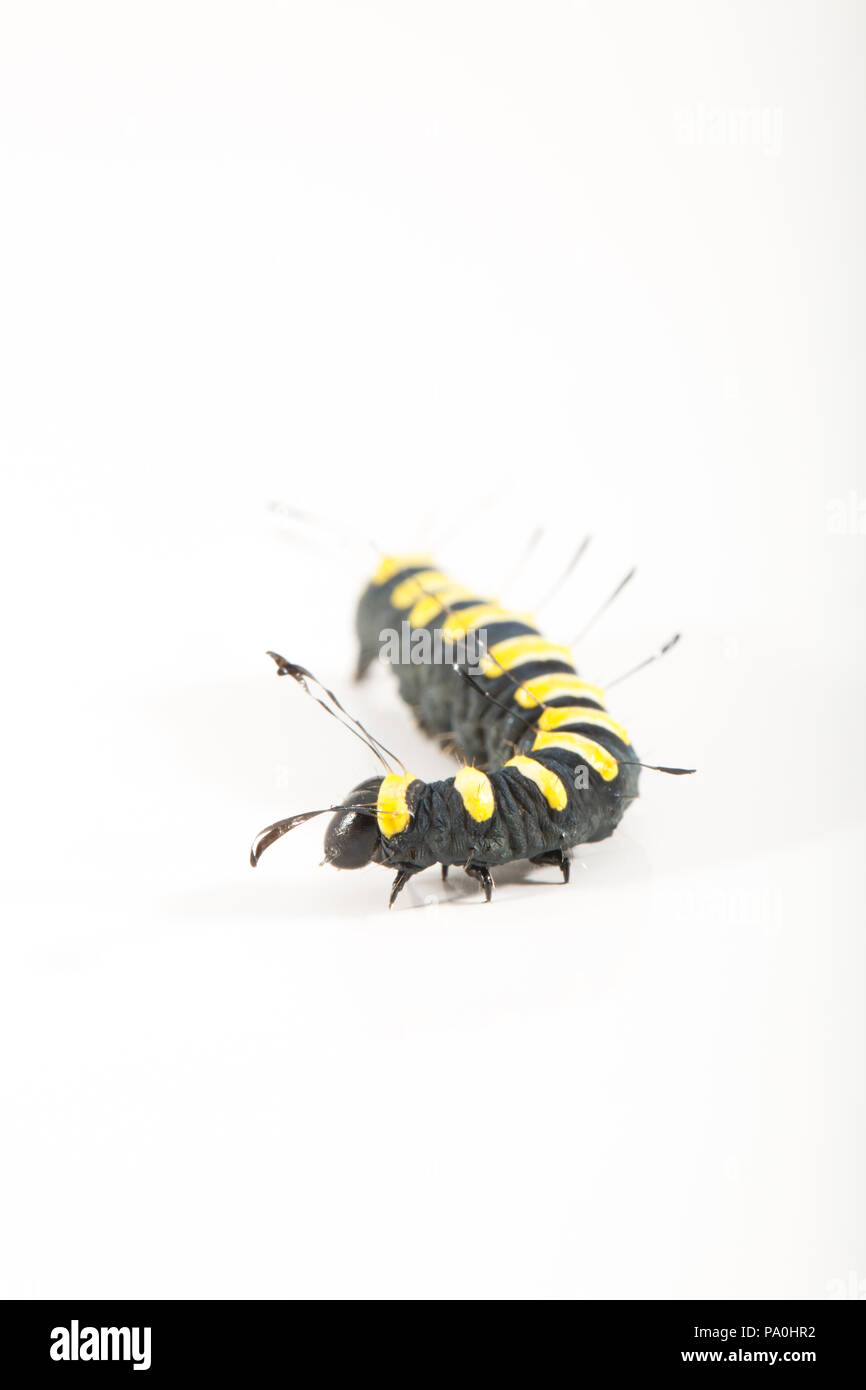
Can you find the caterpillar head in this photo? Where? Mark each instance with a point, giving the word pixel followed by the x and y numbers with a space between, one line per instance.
pixel 373 811
pixel 352 839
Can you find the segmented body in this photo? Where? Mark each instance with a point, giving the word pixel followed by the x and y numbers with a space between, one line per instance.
pixel 547 768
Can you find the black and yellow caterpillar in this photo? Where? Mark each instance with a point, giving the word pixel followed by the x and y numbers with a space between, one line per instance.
pixel 545 766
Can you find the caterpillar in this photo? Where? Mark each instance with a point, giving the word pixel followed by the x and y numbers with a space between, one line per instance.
pixel 545 766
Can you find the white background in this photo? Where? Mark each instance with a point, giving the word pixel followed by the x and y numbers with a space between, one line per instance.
pixel 430 270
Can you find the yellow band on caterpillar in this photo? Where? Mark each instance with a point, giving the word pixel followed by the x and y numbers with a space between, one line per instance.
pixel 515 651
pixel 476 793
pixel 426 609
pixel 547 782
pixel 598 758
pixel 417 585
pixel 554 718
pixel 390 565
pixel 550 687
pixel 463 621
pixel 392 813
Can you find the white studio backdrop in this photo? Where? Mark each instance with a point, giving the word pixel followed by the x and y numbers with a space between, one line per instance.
pixel 432 274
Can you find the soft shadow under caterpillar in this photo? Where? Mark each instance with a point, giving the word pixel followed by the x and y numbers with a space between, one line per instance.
pixel 545 766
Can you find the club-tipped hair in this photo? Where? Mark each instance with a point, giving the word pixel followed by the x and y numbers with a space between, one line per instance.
pixel 272 833
pixel 331 705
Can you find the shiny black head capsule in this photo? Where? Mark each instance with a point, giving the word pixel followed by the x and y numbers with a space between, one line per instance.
pixel 352 837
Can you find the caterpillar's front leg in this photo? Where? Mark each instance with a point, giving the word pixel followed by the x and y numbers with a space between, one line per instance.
pixel 402 877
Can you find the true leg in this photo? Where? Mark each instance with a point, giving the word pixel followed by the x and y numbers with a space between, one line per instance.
pixel 561 858
pixel 402 877
pixel 482 874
